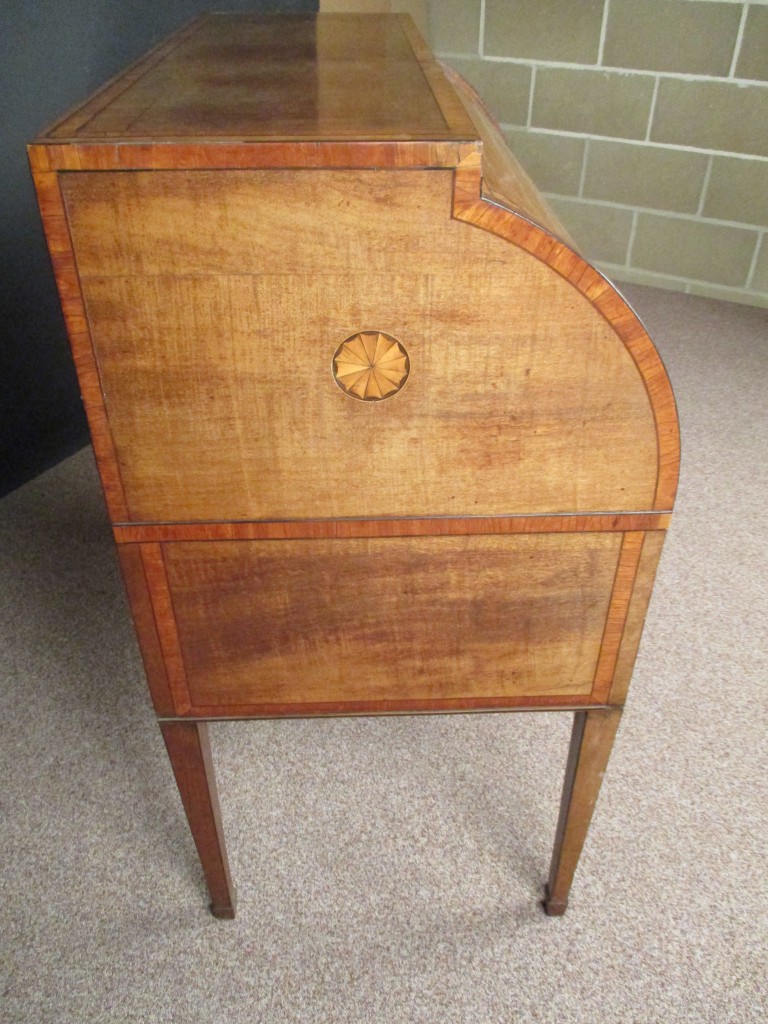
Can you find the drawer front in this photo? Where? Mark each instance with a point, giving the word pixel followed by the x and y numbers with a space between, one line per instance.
pixel 313 622
pixel 219 304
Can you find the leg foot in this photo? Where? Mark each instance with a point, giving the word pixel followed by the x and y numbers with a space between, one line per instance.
pixel 552 909
pixel 190 752
pixel 226 912
pixel 591 743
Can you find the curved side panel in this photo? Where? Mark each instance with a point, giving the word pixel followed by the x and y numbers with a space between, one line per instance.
pixel 520 398
pixel 471 207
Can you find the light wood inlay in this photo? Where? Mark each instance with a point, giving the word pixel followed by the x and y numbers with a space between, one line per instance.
pixel 371 366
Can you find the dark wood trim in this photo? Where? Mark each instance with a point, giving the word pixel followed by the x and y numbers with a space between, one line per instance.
pixel 638 606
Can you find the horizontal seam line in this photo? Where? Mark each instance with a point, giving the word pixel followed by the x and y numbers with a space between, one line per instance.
pixel 684 76
pixel 650 143
pixel 657 212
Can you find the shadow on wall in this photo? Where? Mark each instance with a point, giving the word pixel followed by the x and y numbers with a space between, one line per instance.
pixel 52 55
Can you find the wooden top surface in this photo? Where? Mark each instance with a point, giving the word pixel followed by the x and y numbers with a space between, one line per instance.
pixel 240 77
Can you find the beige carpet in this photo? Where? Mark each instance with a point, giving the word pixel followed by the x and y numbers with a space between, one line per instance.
pixel 388 869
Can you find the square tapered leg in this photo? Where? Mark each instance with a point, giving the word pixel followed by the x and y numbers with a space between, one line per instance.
pixel 591 743
pixel 189 749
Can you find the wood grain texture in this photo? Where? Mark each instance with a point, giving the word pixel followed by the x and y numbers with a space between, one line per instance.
pixel 195 344
pixel 313 622
pixel 316 529
pixel 65 271
pixel 633 628
pixel 165 625
pixel 200 154
pixel 470 206
pixel 221 218
pixel 591 744
pixel 74 120
pixel 189 750
pixel 626 570
pixel 258 77
pixel 137 588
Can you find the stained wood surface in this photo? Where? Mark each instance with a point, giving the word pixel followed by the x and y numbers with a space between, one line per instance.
pixel 470 206
pixel 57 236
pixel 638 607
pixel 260 77
pixel 329 621
pixel 189 750
pixel 140 597
pixel 467 517
pixel 621 596
pixel 190 155
pixel 215 356
pixel 315 529
pixel 517 219
pixel 166 625
pixel 591 744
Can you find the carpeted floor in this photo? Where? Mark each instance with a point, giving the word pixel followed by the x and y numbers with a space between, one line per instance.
pixel 388 870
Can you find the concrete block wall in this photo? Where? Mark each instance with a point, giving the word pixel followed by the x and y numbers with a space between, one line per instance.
pixel 645 122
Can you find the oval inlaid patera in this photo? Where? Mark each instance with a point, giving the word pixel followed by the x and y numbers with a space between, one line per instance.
pixel 370 366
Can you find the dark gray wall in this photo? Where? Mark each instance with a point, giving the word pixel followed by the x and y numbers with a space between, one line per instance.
pixel 52 54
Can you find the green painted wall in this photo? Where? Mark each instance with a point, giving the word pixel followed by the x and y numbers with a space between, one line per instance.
pixel 645 122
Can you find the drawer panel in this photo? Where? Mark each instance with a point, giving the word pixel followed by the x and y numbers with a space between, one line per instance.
pixel 217 301
pixel 390 619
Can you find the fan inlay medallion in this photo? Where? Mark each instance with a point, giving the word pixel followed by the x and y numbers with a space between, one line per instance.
pixel 371 366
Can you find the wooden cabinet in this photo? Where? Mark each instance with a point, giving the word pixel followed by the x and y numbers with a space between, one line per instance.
pixel 373 435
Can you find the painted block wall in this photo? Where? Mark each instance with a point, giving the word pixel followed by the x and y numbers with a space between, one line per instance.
pixel 644 122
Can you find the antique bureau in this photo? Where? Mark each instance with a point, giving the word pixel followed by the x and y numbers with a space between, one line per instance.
pixel 374 437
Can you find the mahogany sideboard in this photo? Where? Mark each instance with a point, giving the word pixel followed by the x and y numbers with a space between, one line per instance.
pixel 374 436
